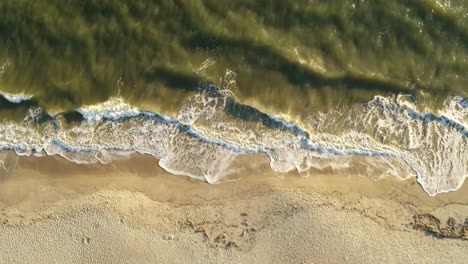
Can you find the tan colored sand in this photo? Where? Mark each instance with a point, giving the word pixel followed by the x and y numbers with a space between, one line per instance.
pixel 132 212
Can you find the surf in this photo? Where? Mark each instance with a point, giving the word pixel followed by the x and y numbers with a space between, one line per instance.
pixel 389 134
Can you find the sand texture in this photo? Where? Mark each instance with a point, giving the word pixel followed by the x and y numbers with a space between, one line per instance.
pixel 132 212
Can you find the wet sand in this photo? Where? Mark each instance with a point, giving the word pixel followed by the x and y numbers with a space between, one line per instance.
pixel 131 211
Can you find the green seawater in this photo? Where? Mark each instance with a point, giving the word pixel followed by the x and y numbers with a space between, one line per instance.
pixel 294 57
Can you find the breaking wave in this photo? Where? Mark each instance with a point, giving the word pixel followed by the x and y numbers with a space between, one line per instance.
pixel 386 136
pixel 15 98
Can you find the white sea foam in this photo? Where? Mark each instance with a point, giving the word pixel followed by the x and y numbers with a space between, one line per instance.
pixel 386 136
pixel 115 108
pixel 16 98
pixel 434 146
pixel 456 109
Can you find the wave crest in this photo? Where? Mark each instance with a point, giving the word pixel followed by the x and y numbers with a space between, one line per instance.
pixel 15 98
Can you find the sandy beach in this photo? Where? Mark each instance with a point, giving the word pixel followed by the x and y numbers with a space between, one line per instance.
pixel 208 131
pixel 130 211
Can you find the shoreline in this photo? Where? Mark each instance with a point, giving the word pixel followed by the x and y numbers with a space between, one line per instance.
pixel 131 172
pixel 51 206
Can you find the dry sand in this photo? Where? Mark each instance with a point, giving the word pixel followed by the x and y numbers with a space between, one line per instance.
pixel 53 211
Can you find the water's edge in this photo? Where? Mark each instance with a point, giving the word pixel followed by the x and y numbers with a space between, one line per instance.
pixel 386 136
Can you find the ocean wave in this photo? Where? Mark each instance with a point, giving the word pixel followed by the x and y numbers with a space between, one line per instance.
pixel 113 109
pixel 386 136
pixel 15 98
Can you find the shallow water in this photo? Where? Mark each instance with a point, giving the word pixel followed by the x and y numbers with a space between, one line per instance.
pixel 195 83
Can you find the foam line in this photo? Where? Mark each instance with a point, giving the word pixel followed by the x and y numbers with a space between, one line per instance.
pixel 203 140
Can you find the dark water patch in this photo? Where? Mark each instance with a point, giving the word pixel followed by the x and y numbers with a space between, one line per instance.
pixel 173 79
pixel 266 57
pixel 7 104
pixel 72 117
pixel 10 111
pixel 251 114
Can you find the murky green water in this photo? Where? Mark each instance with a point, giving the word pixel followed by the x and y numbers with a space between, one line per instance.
pixel 290 56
